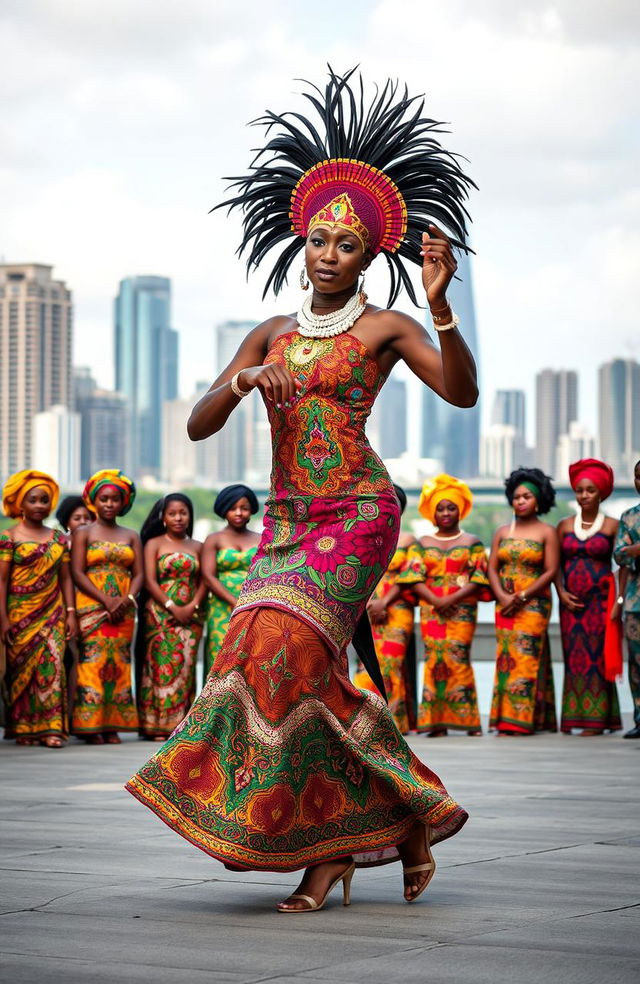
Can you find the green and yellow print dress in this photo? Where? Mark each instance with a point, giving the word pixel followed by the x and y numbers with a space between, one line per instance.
pixel 282 762
pixel 171 649
pixel 232 567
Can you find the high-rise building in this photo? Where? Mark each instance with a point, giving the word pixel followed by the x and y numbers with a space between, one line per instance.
pixel 577 444
pixel 501 450
pixel 556 409
pixel 387 425
pixel 509 408
pixel 619 414
pixel 451 434
pixel 104 419
pixel 244 444
pixel 56 445
pixel 146 361
pixel 35 355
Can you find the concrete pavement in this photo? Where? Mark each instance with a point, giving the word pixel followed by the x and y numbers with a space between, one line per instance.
pixel 543 883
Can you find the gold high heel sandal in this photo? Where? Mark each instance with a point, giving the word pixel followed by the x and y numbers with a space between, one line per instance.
pixel 314 906
pixel 429 866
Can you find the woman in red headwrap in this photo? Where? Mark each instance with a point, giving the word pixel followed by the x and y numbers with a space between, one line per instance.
pixel 282 763
pixel 108 572
pixel 37 612
pixel 590 611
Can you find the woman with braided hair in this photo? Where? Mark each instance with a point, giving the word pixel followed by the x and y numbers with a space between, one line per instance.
pixel 282 763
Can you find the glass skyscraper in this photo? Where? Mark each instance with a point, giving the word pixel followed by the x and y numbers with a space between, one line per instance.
pixel 146 360
pixel 452 434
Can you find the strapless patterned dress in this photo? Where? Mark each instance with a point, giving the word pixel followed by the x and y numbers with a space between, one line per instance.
pixel 281 761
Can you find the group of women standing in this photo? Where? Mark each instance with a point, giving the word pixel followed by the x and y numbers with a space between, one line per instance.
pixel 447 572
pixel 69 601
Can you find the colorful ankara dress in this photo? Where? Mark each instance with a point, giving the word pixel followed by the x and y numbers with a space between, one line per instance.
pixel 35 656
pixel 168 683
pixel 232 567
pixel 523 692
pixel 392 640
pixel 104 702
pixel 282 762
pixel 589 701
pixel 449 698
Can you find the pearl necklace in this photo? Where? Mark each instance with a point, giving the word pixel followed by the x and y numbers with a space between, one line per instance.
pixel 312 325
pixel 584 534
pixel 456 536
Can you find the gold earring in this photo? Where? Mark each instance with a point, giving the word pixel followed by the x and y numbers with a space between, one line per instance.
pixel 363 296
pixel 304 282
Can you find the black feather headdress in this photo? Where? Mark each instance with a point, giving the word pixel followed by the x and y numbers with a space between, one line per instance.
pixel 382 159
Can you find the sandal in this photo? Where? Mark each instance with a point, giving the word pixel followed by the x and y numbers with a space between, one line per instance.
pixel 428 866
pixel 52 741
pixel 93 739
pixel 111 738
pixel 314 906
pixel 26 741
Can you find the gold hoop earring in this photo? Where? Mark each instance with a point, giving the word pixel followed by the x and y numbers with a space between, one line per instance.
pixel 304 282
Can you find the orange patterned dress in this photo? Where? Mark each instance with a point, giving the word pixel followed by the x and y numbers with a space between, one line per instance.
pixel 104 701
pixel 282 762
pixel 449 698
pixel 523 692
pixel 392 640
pixel 35 655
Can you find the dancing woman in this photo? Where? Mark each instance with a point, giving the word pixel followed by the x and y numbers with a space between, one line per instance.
pixel 226 558
pixel 282 763
pixel 523 563
pixel 590 612
pixel 171 622
pixel 37 612
pixel 107 570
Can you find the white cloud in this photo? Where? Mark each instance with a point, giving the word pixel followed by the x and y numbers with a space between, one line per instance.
pixel 120 120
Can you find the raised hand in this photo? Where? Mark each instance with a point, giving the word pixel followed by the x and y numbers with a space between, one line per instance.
pixel 438 266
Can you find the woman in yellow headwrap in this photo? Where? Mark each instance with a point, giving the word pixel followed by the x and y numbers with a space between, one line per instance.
pixel 37 613
pixel 108 572
pixel 448 571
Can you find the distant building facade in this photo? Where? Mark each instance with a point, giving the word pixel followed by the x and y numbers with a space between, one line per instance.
pixel 387 424
pixel 104 422
pixel 509 408
pixel 619 414
pixel 502 449
pixel 556 409
pixel 36 339
pixel 577 444
pixel 451 434
pixel 56 445
pixel 146 363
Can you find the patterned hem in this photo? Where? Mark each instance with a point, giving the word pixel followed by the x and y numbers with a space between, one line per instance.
pixel 509 724
pixel 105 729
pixel 295 606
pixel 425 728
pixel 590 724
pixel 445 820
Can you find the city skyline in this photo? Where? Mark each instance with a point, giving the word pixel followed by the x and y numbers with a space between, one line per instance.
pixel 115 152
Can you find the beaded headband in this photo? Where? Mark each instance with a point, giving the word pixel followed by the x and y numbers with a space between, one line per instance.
pixel 354 196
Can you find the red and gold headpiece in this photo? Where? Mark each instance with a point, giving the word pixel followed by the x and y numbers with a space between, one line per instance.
pixel 354 196
pixel 373 167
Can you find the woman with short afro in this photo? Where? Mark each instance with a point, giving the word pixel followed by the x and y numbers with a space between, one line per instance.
pixel 523 563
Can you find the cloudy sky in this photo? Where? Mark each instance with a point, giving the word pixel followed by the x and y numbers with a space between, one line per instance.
pixel 119 121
